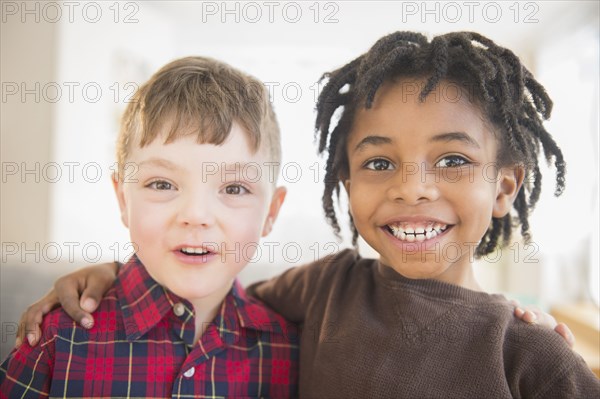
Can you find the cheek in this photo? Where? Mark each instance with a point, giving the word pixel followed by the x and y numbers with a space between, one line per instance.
pixel 476 201
pixel 363 196
pixel 147 223
pixel 243 225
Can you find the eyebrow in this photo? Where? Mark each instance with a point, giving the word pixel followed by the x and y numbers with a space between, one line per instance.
pixel 443 137
pixel 236 165
pixel 455 136
pixel 372 140
pixel 158 162
pixel 220 166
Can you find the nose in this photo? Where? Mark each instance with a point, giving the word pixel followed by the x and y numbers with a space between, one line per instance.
pixel 196 210
pixel 413 184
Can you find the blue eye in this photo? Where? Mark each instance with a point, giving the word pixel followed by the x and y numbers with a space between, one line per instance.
pixel 451 161
pixel 236 189
pixel 160 185
pixel 379 164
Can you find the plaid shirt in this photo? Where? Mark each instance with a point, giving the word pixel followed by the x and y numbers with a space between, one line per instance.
pixel 141 346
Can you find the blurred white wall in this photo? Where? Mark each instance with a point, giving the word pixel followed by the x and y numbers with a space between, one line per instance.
pixel 88 57
pixel 26 129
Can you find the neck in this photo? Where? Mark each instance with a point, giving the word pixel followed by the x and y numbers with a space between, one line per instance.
pixel 464 278
pixel 206 308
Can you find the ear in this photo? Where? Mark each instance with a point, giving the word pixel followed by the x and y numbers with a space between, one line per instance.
pixel 347 186
pixel 276 202
pixel 510 180
pixel 118 186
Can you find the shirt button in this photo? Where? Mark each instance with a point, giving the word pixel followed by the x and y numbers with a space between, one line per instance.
pixel 189 373
pixel 179 309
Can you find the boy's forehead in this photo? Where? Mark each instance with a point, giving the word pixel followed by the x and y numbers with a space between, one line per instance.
pixel 237 142
pixel 446 96
pixel 398 113
pixel 186 152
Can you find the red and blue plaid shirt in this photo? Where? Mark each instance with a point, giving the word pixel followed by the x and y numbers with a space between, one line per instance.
pixel 141 346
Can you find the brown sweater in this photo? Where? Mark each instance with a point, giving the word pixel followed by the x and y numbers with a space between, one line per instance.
pixel 368 332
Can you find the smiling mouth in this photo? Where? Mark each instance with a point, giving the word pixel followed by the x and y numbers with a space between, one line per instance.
pixel 411 232
pixel 194 251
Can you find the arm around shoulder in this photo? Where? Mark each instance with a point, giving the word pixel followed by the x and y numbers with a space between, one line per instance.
pixel 576 382
pixel 544 366
pixel 291 294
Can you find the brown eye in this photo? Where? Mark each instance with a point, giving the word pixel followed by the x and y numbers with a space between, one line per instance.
pixel 379 164
pixel 451 161
pixel 235 189
pixel 160 185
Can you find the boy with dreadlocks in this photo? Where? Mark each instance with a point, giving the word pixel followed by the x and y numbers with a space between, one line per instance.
pixel 432 146
pixel 436 142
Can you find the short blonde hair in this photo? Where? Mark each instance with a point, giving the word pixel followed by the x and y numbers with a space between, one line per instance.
pixel 202 96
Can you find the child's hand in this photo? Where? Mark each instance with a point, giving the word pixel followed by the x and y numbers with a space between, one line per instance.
pixel 90 282
pixel 532 314
pixel 29 325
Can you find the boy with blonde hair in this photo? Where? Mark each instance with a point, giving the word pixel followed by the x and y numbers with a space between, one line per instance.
pixel 176 323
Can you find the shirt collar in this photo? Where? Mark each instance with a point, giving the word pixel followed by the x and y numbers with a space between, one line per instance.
pixel 144 303
pixel 252 314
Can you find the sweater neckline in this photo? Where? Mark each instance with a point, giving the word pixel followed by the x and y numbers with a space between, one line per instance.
pixel 433 288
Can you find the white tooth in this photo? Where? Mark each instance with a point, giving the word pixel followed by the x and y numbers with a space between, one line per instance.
pixel 419 230
pixel 409 230
pixel 199 251
pixel 419 238
pixel 410 237
pixel 428 235
pixel 437 226
pixel 402 236
pixel 434 234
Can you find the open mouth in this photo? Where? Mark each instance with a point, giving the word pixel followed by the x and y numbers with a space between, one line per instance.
pixel 411 232
pixel 194 251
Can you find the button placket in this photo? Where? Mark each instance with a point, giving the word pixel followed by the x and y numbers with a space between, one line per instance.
pixel 189 372
pixel 179 309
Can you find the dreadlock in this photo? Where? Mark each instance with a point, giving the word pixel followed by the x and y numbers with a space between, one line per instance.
pixel 506 92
